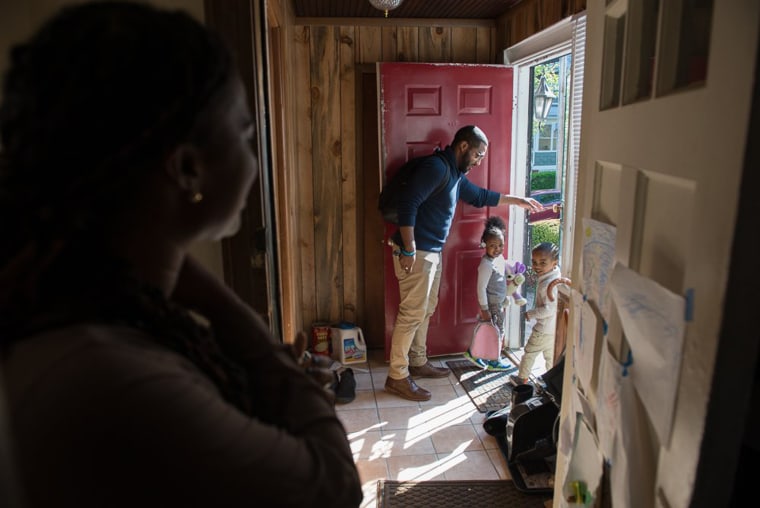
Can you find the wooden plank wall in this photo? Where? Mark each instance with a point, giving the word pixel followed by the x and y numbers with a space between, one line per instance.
pixel 531 16
pixel 330 214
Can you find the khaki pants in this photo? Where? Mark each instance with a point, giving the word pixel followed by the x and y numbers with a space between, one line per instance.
pixel 537 343
pixel 418 291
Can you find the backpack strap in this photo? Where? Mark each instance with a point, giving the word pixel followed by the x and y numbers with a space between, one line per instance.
pixel 445 181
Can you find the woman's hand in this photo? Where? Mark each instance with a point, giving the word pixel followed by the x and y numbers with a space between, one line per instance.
pixel 317 366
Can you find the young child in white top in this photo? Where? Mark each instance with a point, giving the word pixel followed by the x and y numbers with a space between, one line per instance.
pixel 492 286
pixel 545 257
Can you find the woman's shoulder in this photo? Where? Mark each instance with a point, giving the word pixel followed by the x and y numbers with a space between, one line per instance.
pixel 89 354
pixel 87 337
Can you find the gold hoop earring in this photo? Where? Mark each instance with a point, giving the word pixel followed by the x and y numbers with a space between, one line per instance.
pixel 196 198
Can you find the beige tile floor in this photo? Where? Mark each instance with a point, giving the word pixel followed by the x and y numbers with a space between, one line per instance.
pixel 396 439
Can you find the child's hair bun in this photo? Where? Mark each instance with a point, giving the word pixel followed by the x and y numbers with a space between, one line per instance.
pixel 495 222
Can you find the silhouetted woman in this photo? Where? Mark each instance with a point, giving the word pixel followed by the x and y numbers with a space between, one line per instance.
pixel 126 138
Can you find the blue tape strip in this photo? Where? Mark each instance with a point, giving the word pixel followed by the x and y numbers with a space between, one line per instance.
pixel 628 363
pixel 689 310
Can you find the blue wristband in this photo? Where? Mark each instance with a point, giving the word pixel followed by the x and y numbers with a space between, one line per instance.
pixel 407 253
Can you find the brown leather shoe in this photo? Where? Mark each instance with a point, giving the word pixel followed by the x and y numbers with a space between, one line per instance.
pixel 406 389
pixel 428 370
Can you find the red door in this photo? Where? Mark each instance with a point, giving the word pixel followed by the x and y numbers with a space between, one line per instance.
pixel 422 106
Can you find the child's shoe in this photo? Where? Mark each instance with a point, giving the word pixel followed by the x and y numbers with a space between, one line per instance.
pixel 500 365
pixel 517 381
pixel 475 361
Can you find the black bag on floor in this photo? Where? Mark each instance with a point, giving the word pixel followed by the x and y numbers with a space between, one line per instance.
pixel 495 424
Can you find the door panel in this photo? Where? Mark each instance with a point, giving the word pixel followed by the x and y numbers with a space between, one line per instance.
pixel 666 211
pixel 665 172
pixel 422 106
pixel 607 183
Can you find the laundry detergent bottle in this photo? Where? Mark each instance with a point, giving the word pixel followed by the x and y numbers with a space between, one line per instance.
pixel 348 343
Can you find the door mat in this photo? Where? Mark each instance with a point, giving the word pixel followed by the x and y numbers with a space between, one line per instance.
pixel 488 390
pixel 455 494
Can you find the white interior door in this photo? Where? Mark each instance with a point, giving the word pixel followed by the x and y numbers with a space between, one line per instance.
pixel 666 105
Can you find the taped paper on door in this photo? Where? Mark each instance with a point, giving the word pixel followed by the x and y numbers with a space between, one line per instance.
pixel 653 321
pixel 598 260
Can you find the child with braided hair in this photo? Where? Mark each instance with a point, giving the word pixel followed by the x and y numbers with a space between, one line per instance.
pixel 133 376
pixel 544 260
pixel 492 288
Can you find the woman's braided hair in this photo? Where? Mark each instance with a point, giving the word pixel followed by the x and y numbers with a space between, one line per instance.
pixel 92 104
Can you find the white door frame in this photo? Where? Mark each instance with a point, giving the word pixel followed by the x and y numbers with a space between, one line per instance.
pixel 553 42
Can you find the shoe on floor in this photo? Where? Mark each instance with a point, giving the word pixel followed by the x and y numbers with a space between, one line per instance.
pixel 345 392
pixel 500 365
pixel 479 362
pixel 517 381
pixel 406 389
pixel 428 370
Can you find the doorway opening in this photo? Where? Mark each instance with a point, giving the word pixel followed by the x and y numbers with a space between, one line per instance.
pixel 548 67
pixel 546 170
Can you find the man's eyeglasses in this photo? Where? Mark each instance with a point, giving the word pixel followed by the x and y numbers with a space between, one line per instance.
pixel 480 155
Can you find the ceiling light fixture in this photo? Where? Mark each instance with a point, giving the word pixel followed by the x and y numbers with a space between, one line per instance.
pixel 385 5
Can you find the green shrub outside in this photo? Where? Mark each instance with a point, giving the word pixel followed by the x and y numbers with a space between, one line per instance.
pixel 541 180
pixel 548 230
pixel 544 231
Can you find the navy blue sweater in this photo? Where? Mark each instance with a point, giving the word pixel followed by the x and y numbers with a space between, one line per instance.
pixel 431 215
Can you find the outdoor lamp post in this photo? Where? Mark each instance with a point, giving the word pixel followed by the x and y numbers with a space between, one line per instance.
pixel 542 100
